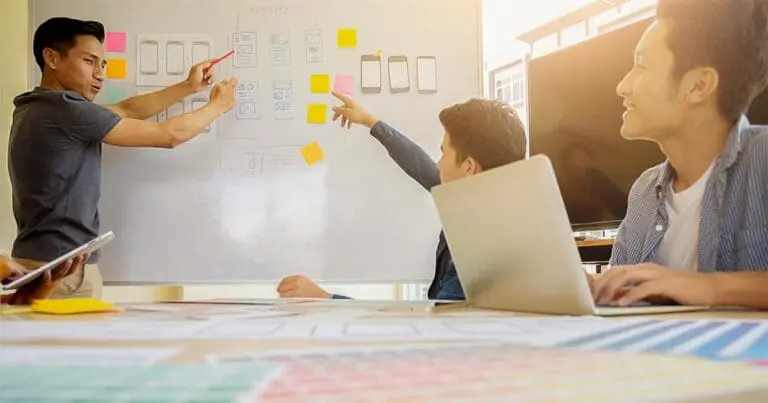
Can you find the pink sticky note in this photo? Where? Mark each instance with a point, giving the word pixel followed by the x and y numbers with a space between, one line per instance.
pixel 115 42
pixel 344 83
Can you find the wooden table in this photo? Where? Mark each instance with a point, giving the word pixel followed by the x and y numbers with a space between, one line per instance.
pixel 195 350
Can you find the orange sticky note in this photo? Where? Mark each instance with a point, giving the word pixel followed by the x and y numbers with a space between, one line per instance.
pixel 312 153
pixel 320 83
pixel 116 69
pixel 317 113
pixel 347 37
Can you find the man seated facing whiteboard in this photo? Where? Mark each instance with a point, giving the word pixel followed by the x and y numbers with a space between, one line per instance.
pixel 40 288
pixel 479 135
pixel 696 228
pixel 54 152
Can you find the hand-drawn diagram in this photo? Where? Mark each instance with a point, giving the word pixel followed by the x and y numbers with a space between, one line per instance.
pixel 174 57
pixel 246 49
pixel 165 59
pixel 201 51
pixel 250 164
pixel 313 40
pixel 282 99
pixel 247 100
pixel 197 102
pixel 246 159
pixel 361 329
pixel 280 48
pixel 176 109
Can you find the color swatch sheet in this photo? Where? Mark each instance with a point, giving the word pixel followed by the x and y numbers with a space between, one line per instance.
pixel 127 383
pixel 728 340
pixel 497 373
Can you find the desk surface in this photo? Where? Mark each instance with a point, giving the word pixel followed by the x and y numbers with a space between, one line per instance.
pixel 197 351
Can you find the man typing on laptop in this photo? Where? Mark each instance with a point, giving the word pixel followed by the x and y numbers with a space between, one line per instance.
pixel 696 229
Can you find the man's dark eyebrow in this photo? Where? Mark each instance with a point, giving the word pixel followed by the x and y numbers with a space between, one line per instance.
pixel 91 55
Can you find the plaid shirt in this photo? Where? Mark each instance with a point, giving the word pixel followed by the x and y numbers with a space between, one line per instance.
pixel 733 228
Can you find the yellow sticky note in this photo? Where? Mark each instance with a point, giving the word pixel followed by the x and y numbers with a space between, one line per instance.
pixel 317 113
pixel 312 153
pixel 320 83
pixel 71 306
pixel 116 69
pixel 347 37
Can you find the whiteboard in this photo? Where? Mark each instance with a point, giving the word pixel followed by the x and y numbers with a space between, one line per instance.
pixel 239 203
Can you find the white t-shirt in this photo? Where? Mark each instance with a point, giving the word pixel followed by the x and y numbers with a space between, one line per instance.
pixel 679 247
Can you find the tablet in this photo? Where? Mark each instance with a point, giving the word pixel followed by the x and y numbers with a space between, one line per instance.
pixel 80 250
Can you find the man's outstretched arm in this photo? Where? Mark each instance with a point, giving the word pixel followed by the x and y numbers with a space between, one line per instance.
pixel 408 155
pixel 143 107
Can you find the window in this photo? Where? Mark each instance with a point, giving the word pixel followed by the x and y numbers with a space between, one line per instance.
pixel 518 91
pixel 504 90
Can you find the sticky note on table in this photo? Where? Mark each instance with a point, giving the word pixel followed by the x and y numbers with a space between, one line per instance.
pixel 71 306
pixel 320 83
pixel 347 37
pixel 344 83
pixel 115 42
pixel 116 69
pixel 317 113
pixel 312 153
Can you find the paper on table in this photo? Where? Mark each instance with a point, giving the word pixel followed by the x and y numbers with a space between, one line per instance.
pixel 721 340
pixel 65 355
pixel 135 383
pixel 352 324
pixel 451 372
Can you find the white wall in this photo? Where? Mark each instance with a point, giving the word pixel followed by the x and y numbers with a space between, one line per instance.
pixel 13 80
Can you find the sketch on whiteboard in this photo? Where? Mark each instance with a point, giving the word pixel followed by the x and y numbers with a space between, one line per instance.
pixel 176 109
pixel 283 159
pixel 282 99
pixel 247 100
pixel 313 40
pixel 174 58
pixel 246 49
pixel 280 48
pixel 248 159
pixel 149 57
pixel 250 164
pixel 197 102
pixel 165 59
pixel 201 51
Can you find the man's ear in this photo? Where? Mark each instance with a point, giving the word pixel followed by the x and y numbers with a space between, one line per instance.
pixel 51 58
pixel 471 166
pixel 702 84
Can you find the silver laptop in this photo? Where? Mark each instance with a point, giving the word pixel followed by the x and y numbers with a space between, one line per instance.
pixel 512 244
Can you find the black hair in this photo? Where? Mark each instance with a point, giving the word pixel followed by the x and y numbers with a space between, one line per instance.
pixel 60 34
pixel 730 36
